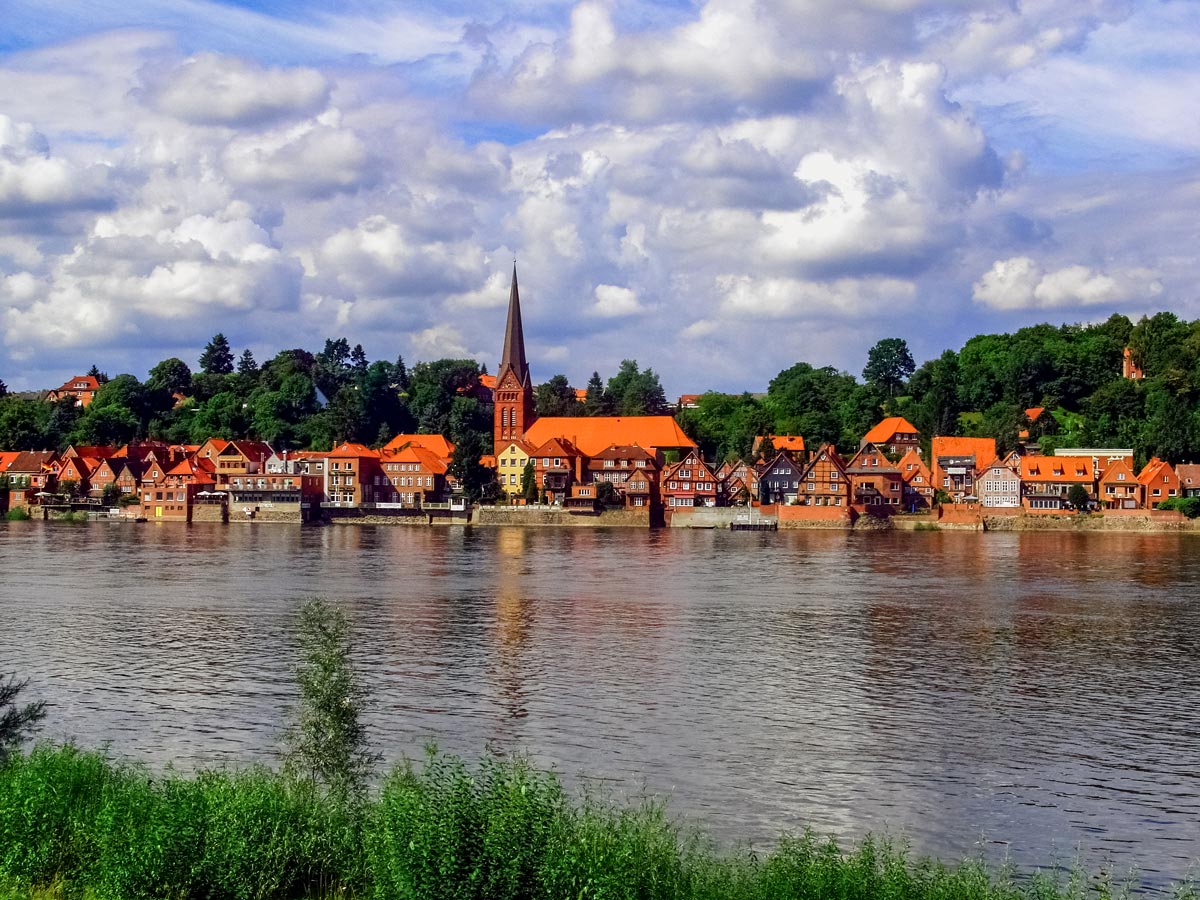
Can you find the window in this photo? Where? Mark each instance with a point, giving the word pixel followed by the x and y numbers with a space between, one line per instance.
pixel 1120 476
pixel 833 475
pixel 545 462
pixel 641 464
pixel 610 463
pixel 812 486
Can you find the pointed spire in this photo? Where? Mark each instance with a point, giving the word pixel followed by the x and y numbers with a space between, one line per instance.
pixel 513 354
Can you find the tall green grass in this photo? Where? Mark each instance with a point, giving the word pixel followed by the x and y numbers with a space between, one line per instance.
pixel 74 824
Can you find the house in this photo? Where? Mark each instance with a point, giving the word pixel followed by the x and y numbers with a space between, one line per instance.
pixel 894 435
pixel 1189 479
pixel 417 476
pixel 875 483
pixel 557 464
pixel 919 491
pixel 76 472
pixel 999 485
pixel 434 443
pixel 1120 488
pixel 280 496
pixel 1046 481
pixel 688 401
pixel 779 479
pixel 955 462
pixel 510 468
pixel 353 476
pixel 1159 481
pixel 613 465
pixel 127 473
pixel 688 483
pixel 825 480
pixel 240 458
pixel 1130 368
pixel 31 472
pixel 737 483
pixel 640 490
pixel 82 387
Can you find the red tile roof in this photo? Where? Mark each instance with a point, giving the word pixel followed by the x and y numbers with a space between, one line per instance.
pixel 435 443
pixel 592 434
pixel 1077 469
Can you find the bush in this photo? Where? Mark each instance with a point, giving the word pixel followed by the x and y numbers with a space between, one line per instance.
pixel 18 514
pixel 1189 506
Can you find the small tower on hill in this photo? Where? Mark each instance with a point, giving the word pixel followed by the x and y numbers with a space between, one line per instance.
pixel 514 410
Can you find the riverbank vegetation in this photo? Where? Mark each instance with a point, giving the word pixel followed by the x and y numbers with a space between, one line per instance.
pixel 79 824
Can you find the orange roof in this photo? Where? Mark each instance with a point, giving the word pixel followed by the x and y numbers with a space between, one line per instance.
pixel 89 383
pixel 1033 412
pixel 888 429
pixel 412 453
pixel 983 449
pixel 1115 468
pixel 6 458
pixel 580 394
pixel 1154 469
pixel 556 447
pixel 592 434
pixel 913 458
pixel 1057 469
pixel 791 442
pixel 348 450
pixel 488 381
pixel 435 443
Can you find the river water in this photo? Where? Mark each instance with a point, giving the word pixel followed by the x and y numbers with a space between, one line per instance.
pixel 1029 696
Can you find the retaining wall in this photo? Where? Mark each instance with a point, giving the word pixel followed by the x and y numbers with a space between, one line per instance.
pixel 519 515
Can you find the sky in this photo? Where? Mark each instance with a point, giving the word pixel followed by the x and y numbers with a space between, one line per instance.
pixel 716 189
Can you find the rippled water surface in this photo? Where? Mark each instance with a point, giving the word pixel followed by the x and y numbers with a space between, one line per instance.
pixel 1036 695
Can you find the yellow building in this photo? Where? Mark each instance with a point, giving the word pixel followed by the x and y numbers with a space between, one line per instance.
pixel 510 465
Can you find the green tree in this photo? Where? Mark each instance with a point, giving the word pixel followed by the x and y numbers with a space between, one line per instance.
pixel 1077 496
pixel 171 376
pixel 636 393
pixel 529 488
pixel 95 372
pixel 889 365
pixel 596 401
pixel 327 743
pixel 3 389
pixel 246 365
pixel 17 722
pixel 217 358
pixel 22 423
pixel 556 398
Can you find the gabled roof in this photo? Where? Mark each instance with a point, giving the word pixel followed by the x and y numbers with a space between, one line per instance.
pixel 251 450
pixel 1116 467
pixel 192 469
pixel 435 443
pixel 97 452
pixel 557 447
pixel 826 452
pixel 781 457
pixel 31 461
pixel 1189 474
pixel 89 381
pixel 623 451
pixel 135 467
pixel 6 457
pixel 793 443
pixel 412 454
pixel 888 429
pixel 1034 412
pixel 592 434
pixel 913 458
pixel 1154 470
pixel 866 450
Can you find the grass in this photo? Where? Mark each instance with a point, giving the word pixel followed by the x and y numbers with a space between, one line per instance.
pixel 77 826
pixel 17 514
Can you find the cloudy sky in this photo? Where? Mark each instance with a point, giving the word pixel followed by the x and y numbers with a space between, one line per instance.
pixel 717 189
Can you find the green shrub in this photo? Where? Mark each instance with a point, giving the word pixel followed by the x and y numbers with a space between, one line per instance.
pixel 17 514
pixel 1189 506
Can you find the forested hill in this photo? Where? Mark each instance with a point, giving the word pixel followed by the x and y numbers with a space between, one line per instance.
pixel 305 399
pixel 984 389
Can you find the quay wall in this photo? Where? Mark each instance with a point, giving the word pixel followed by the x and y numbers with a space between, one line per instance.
pixel 536 517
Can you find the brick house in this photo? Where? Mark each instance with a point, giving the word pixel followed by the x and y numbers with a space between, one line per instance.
pixel 1189 479
pixel 1159 481
pixel 415 475
pixel 82 387
pixel 614 464
pixel 1120 488
pixel 29 473
pixel 354 476
pixel 918 482
pixel 895 436
pixel 557 465
pixel 825 482
pixel 1047 480
pixel 955 462
pixel 688 483
pixel 875 482
pixel 737 483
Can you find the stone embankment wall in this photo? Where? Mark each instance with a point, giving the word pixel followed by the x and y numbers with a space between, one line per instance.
pixel 1142 520
pixel 811 516
pixel 519 515
pixel 209 512
pixel 288 514
pixel 714 516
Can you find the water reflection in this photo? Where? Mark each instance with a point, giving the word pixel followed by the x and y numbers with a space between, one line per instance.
pixel 1031 693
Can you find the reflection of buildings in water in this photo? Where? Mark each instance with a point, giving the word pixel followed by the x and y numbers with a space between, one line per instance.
pixel 514 616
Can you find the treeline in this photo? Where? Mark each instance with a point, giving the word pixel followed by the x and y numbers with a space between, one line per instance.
pixel 984 389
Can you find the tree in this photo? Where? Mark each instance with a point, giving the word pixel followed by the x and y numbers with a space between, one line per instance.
pixel 16 722
pixel 328 742
pixel 529 488
pixel 217 358
pixel 171 376
pixel 246 365
pixel 465 464
pixel 358 358
pixel 606 494
pixel 889 365
pixel 596 402
pixel 1077 496
pixel 95 372
pixel 400 375
pixel 636 393
pixel 556 398
pixel 3 389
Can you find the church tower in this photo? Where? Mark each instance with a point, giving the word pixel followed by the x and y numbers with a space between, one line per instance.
pixel 514 390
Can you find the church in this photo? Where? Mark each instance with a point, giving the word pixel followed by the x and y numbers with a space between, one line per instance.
pixel 516 420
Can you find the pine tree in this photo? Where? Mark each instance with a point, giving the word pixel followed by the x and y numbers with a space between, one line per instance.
pixel 595 401
pixel 529 488
pixel 217 358
pixel 246 365
pixel 358 358
pixel 3 388
pixel 400 374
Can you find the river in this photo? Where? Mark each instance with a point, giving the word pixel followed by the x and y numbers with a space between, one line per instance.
pixel 1033 696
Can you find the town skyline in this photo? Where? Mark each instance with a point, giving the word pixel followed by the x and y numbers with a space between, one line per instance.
pixel 677 180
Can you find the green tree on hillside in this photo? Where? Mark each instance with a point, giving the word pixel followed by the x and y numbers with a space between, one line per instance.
pixel 556 398
pixel 246 365
pixel 889 365
pixel 217 358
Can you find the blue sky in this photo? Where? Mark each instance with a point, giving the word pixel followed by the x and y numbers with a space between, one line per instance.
pixel 717 189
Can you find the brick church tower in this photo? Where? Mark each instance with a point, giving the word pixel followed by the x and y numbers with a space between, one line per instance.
pixel 513 395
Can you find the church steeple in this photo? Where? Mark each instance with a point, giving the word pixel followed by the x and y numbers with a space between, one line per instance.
pixel 513 396
pixel 513 354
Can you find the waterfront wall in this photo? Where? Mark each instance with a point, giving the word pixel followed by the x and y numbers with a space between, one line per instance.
pixel 534 516
pixel 811 516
